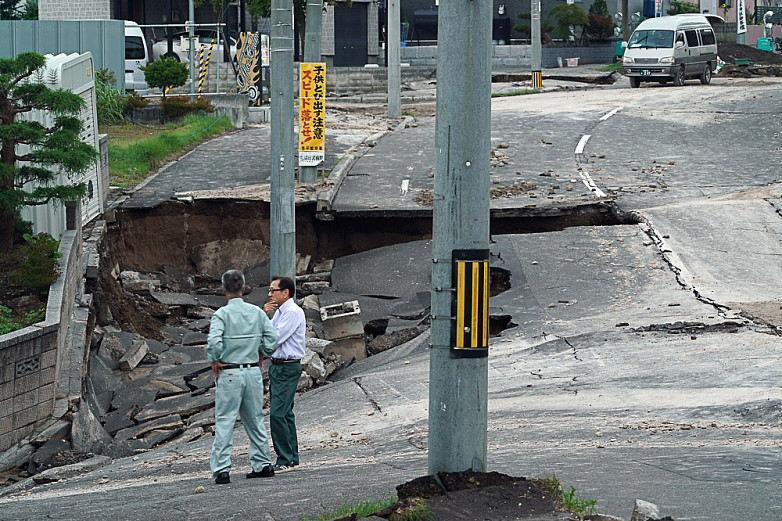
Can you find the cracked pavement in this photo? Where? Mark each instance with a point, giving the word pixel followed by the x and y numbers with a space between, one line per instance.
pixel 645 361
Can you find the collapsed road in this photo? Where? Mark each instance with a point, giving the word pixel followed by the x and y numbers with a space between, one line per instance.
pixel 640 357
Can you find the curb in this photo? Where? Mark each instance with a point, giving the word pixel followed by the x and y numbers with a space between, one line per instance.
pixel 326 197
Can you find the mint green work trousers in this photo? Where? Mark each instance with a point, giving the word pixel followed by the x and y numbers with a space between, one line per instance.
pixel 239 391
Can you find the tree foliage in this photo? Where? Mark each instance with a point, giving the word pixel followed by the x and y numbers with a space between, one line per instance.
pixel 568 15
pixel 9 10
pixel 601 26
pixel 50 150
pixel 164 73
pixel 678 7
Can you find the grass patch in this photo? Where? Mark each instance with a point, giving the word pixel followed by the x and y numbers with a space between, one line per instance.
pixel 8 323
pixel 361 509
pixel 616 66
pixel 136 151
pixel 418 510
pixel 520 92
pixel 569 500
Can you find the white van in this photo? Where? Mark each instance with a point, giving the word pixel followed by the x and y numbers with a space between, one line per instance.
pixel 671 48
pixel 136 56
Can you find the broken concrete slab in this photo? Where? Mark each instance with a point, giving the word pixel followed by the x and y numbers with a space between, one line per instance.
pixel 347 348
pixel 183 404
pixel 133 394
pixel 211 301
pixel 305 382
pixel 313 365
pixel 341 320
pixel 67 471
pixel 323 266
pixel 174 334
pixel 158 437
pixel 201 325
pixel 164 387
pixel 257 275
pixel 302 264
pixel 645 511
pixel 124 448
pixel 57 430
pixel 176 280
pixel 138 282
pixel 387 341
pixel 398 271
pixel 116 420
pixel 44 456
pixel 114 345
pixel 314 288
pixel 190 434
pixel 157 347
pixel 205 380
pixel 87 433
pixel 175 299
pixel 134 355
pixel 172 421
pixel 372 308
pixel 205 417
pixel 317 344
pixel 193 338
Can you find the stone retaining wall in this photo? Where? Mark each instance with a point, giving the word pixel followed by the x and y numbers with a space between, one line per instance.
pixel 29 357
pixel 518 56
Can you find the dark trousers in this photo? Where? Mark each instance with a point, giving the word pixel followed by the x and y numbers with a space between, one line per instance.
pixel 283 381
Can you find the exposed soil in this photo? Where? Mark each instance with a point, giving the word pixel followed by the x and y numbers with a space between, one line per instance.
pixel 730 51
pixel 470 496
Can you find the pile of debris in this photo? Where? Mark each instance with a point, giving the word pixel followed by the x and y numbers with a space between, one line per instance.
pixel 143 393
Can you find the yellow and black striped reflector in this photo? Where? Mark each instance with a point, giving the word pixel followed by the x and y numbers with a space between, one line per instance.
pixel 537 80
pixel 470 306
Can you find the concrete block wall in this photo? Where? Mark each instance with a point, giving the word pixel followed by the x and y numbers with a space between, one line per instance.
pixel 517 56
pixel 29 358
pixel 591 54
pixel 74 9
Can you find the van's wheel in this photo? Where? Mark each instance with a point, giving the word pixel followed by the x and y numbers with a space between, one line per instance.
pixel 678 79
pixel 635 82
pixel 706 76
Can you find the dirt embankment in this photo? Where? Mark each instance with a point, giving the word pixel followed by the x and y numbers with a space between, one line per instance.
pixel 730 51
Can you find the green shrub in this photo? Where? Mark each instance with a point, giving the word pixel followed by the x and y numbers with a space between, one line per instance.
pixel 109 101
pixel 8 324
pixel 39 267
pixel 567 16
pixel 178 106
pixel 165 73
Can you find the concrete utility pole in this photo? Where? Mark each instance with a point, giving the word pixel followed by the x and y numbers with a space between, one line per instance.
pixel 192 41
pixel 393 66
pixel 458 386
pixel 625 20
pixel 313 22
pixel 537 51
pixel 283 204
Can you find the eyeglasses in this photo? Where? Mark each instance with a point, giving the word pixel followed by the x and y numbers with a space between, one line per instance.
pixel 272 290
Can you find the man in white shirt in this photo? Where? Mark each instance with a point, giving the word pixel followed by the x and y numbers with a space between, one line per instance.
pixel 285 371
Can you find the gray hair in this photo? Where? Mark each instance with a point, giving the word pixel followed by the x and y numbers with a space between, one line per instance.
pixel 233 283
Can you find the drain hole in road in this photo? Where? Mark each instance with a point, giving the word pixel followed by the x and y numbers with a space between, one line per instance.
pixel 499 281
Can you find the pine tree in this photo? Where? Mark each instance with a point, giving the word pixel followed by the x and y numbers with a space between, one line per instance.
pixel 52 149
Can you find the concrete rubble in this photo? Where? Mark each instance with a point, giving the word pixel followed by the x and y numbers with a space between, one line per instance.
pixel 143 393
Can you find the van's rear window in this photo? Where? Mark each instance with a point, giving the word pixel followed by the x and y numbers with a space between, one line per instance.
pixel 652 38
pixel 134 48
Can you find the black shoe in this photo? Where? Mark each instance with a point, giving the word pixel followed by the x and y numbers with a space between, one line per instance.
pixel 223 478
pixel 267 472
pixel 279 469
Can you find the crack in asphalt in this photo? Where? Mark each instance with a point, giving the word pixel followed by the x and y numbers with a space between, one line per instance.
pixel 357 381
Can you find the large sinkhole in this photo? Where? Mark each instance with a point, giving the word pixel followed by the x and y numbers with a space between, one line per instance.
pixel 382 258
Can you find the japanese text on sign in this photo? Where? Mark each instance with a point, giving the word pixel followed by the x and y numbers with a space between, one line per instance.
pixel 312 113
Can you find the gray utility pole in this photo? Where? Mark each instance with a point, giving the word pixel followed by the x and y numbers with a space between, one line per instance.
pixel 537 52
pixel 313 22
pixel 625 20
pixel 393 66
pixel 458 385
pixel 192 41
pixel 283 204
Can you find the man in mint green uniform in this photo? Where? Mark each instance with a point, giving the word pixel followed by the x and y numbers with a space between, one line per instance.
pixel 239 334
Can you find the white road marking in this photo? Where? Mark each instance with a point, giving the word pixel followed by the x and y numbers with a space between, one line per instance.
pixel 405 186
pixel 582 143
pixel 610 114
pixel 590 183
